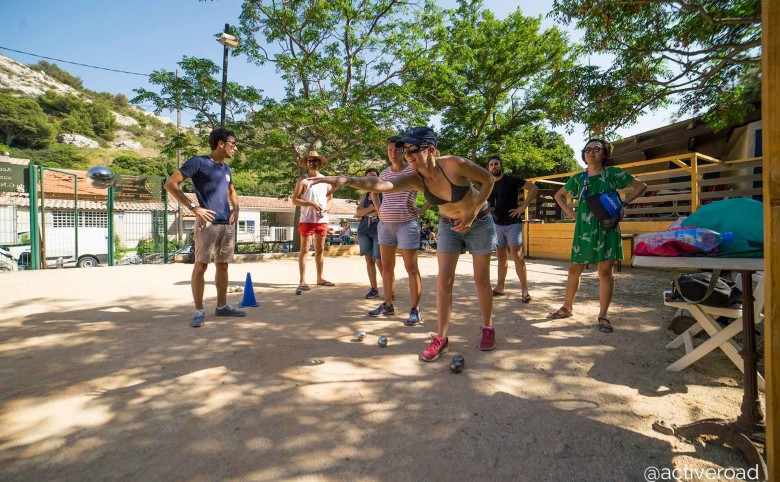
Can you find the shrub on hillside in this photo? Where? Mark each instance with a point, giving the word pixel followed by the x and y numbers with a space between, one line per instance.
pixel 54 71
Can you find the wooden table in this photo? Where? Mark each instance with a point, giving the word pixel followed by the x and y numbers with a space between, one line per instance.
pixel 749 425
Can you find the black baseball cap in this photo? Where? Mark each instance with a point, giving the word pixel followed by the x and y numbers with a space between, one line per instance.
pixel 419 135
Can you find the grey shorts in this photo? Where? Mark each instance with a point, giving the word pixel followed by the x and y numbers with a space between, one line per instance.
pixel 509 235
pixel 403 235
pixel 480 239
pixel 216 239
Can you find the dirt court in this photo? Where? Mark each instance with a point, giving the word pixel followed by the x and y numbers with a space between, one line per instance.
pixel 102 378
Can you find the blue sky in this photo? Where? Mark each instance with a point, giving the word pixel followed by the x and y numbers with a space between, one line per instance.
pixel 146 35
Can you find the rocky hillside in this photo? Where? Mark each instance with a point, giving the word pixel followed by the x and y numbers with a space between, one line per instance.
pixel 133 130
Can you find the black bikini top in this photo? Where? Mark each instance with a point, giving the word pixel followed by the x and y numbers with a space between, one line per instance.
pixel 457 192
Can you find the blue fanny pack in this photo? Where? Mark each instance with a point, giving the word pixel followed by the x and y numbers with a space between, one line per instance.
pixel 607 206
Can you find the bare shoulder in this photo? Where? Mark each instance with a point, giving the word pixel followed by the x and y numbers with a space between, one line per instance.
pixel 454 160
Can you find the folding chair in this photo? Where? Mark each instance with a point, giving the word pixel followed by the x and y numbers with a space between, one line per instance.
pixel 720 337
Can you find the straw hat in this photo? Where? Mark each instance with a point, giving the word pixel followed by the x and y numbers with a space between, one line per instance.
pixel 310 154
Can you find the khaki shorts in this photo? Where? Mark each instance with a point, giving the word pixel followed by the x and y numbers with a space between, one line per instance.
pixel 214 239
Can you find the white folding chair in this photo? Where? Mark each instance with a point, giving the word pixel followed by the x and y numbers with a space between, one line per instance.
pixel 720 337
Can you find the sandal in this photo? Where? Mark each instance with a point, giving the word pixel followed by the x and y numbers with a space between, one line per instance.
pixel 562 312
pixel 604 325
pixel 498 293
pixel 526 299
pixel 325 283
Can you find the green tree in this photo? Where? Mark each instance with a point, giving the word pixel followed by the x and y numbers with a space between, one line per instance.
pixel 23 121
pixel 342 63
pixel 533 151
pixel 58 156
pixel 59 105
pixel 77 122
pixel 101 120
pixel 486 75
pixel 701 55
pixel 154 166
pixel 54 70
pixel 198 89
pixel 120 100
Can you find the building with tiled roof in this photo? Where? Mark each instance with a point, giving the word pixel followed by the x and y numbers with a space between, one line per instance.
pixel 139 209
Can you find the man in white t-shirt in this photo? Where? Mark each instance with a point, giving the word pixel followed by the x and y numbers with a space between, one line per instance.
pixel 315 204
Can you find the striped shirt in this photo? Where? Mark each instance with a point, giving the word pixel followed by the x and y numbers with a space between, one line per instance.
pixel 397 207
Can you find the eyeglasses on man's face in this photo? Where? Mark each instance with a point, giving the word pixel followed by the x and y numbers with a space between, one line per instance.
pixel 596 149
pixel 312 161
pixel 416 149
pixel 231 144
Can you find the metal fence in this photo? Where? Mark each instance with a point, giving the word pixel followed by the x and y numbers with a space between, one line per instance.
pixel 53 218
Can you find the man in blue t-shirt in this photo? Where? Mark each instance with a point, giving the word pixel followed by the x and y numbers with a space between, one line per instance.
pixel 215 219
pixel 509 224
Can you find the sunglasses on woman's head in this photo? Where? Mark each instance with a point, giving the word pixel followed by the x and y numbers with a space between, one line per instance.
pixel 592 149
pixel 416 149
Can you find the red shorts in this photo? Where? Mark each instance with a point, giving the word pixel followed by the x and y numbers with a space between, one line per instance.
pixel 307 229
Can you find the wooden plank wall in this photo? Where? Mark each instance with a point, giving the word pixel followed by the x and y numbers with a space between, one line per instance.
pixel 553 240
pixel 770 89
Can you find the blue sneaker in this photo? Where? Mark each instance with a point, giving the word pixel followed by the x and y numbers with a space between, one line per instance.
pixel 382 310
pixel 198 319
pixel 227 310
pixel 372 293
pixel 414 317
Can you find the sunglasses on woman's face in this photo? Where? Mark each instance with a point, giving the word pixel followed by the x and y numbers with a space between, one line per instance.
pixel 416 149
pixel 592 149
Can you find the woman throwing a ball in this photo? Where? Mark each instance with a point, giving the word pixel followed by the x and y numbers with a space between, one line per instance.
pixel 465 222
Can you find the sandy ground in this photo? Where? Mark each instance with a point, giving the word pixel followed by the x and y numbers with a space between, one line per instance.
pixel 102 378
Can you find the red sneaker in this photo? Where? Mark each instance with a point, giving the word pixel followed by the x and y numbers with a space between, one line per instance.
pixel 488 341
pixel 434 350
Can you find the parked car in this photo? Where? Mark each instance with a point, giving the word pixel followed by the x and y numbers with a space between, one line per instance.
pixel 185 254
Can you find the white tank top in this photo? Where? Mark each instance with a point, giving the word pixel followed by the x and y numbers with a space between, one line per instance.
pixel 317 193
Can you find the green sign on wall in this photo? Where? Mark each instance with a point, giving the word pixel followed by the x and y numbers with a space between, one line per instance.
pixel 131 187
pixel 13 177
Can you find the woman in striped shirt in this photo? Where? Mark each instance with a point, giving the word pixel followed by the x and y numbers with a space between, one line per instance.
pixel 399 228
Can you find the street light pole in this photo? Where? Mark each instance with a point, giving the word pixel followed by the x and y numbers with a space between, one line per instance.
pixel 225 54
pixel 227 41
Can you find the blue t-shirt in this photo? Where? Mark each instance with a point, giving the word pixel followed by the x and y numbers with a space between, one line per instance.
pixel 211 180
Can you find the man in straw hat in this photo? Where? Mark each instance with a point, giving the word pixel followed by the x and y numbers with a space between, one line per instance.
pixel 315 204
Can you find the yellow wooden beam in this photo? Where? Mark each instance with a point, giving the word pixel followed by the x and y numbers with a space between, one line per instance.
pixel 770 121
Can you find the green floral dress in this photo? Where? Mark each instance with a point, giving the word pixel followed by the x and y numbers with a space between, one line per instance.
pixel 592 243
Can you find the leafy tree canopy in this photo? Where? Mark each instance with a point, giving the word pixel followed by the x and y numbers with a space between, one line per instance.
pixel 23 122
pixel 533 151
pixel 701 55
pixel 154 166
pixel 485 76
pixel 342 63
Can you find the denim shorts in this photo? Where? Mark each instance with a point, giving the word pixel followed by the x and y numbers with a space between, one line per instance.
pixel 479 239
pixel 369 244
pixel 403 235
pixel 509 235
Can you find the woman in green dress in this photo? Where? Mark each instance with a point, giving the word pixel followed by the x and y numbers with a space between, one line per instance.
pixel 593 243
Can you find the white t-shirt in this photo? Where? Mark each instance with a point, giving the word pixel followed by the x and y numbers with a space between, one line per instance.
pixel 319 194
